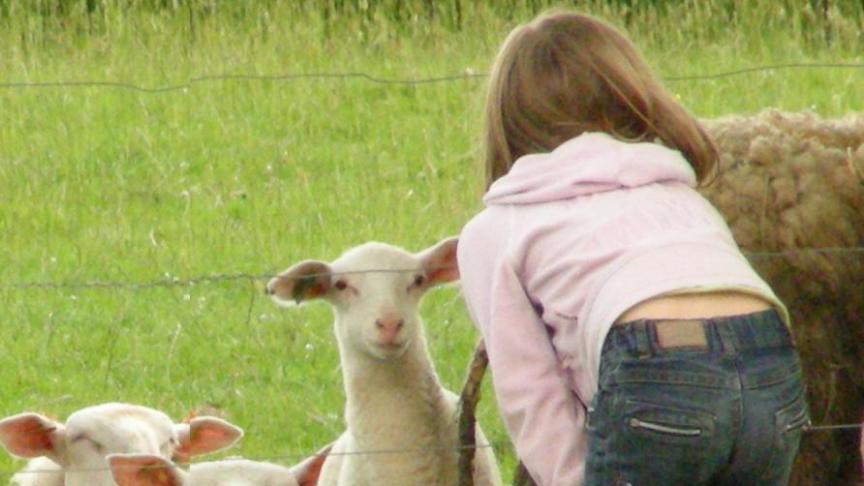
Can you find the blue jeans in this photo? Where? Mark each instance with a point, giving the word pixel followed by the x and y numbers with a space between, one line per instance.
pixel 726 411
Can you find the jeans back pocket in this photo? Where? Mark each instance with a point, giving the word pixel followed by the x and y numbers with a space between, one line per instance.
pixel 654 443
pixel 789 422
pixel 656 423
pixel 665 429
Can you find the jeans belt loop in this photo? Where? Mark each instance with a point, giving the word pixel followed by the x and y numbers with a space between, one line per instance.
pixel 644 340
pixel 727 337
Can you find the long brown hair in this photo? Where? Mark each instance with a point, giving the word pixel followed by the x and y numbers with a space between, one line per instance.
pixel 566 73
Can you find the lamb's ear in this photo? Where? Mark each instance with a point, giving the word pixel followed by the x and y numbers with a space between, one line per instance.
pixel 143 470
pixel 439 262
pixel 32 435
pixel 308 471
pixel 306 280
pixel 204 435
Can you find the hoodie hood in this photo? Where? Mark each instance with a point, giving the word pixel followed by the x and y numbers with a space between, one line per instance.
pixel 588 164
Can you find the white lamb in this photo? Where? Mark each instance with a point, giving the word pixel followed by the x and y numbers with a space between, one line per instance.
pixel 401 423
pixel 74 453
pixel 149 470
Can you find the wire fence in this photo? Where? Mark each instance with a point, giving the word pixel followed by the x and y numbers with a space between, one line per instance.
pixel 290 457
pixel 321 76
pixel 294 457
pixel 169 282
pixel 172 281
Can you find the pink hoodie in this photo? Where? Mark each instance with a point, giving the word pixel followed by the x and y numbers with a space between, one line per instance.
pixel 568 241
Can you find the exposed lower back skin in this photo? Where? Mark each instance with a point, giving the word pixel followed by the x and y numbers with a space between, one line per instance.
pixel 696 306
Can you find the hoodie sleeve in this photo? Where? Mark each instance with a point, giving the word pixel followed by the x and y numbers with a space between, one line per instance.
pixel 543 418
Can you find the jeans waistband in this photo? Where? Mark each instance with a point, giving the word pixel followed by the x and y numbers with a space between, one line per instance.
pixel 726 334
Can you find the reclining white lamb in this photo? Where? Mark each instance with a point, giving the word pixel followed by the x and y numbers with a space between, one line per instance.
pixel 74 453
pixel 401 423
pixel 151 470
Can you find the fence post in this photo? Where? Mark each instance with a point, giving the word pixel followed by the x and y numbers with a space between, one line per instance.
pixel 522 478
pixel 468 421
pixel 467 416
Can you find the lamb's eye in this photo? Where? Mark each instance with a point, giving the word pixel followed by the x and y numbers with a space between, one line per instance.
pixel 419 280
pixel 340 285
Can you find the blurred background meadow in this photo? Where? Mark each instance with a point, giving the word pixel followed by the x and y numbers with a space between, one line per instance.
pixel 145 144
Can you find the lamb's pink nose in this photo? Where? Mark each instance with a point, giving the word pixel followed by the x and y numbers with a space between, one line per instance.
pixel 388 328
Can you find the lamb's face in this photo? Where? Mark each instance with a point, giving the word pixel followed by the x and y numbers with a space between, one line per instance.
pixel 375 290
pixel 81 445
pixel 93 433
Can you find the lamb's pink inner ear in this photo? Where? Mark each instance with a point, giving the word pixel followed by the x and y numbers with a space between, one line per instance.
pixel 206 435
pixel 143 470
pixel 440 262
pixel 309 471
pixel 304 281
pixel 30 435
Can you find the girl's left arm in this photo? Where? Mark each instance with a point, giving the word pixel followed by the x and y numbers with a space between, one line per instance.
pixel 543 418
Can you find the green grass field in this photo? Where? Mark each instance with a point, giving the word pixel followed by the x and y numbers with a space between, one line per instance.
pixel 102 183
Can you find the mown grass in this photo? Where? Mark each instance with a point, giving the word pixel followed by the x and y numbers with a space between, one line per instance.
pixel 249 176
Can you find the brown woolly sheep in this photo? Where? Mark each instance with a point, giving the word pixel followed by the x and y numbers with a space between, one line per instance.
pixel 788 182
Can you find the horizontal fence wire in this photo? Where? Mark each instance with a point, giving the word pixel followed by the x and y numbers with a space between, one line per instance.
pixel 468 74
pixel 232 277
pixel 287 457
pixel 417 450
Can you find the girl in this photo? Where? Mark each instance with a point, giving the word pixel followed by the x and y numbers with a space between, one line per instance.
pixel 630 342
